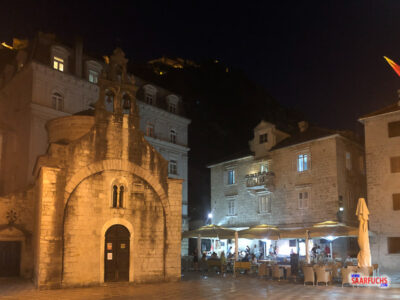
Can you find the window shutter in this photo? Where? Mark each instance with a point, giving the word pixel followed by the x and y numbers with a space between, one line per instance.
pixel 393 245
pixel 396 201
pixel 395 164
pixel 394 129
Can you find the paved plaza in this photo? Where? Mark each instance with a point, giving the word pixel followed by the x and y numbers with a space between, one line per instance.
pixel 195 287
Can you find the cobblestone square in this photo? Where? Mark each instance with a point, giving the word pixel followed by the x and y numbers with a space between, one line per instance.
pixel 195 287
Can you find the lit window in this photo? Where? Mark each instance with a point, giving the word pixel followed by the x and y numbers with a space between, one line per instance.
pixel 172 136
pixel 173 167
pixel 348 161
pixel 303 162
pixel 57 101
pixel 263 138
pixel 264 204
pixel 231 177
pixel 172 108
pixel 149 98
pixel 58 63
pixel 231 207
pixel 93 76
pixel 303 200
pixel 264 167
pixel 150 130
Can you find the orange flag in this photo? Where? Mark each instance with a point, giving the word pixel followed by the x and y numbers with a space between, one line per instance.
pixel 394 66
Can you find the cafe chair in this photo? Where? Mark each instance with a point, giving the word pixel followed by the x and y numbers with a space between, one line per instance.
pixel 277 272
pixel 322 275
pixel 309 275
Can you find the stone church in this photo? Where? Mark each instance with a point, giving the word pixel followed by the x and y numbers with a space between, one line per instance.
pixel 102 207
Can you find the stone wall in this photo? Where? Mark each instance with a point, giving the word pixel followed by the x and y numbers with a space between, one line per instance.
pixel 382 184
pixel 322 182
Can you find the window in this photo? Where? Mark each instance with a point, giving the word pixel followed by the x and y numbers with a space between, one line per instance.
pixel 264 167
pixel 109 101
pixel 348 161
pixel 361 163
pixel 148 98
pixel 126 104
pixel 231 177
pixel 115 196
pixel 150 130
pixel 173 167
pixel 231 207
pixel 396 201
pixel 58 63
pixel 263 138
pixel 264 204
pixel 395 164
pixel 121 196
pixel 57 101
pixel 303 199
pixel 303 162
pixel 93 76
pixel 118 198
pixel 172 108
pixel 394 129
pixel 172 136
pixel 393 245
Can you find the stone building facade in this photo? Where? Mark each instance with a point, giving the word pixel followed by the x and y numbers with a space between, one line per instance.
pixel 43 79
pixel 101 207
pixel 292 181
pixel 382 150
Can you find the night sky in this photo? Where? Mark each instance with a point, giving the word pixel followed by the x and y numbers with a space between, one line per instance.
pixel 323 58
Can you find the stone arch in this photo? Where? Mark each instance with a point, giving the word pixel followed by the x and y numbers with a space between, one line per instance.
pixel 120 165
pixel 106 226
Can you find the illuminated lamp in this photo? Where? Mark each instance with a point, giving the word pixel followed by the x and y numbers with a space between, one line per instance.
pixel 394 66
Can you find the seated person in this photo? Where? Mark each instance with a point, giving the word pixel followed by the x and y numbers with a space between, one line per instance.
pixel 214 255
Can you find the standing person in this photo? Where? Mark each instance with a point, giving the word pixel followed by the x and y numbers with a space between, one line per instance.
pixel 248 249
pixel 327 251
pixel 195 260
pixel 271 250
pixel 314 251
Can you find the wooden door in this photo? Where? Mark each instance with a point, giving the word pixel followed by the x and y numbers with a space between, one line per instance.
pixel 10 257
pixel 116 256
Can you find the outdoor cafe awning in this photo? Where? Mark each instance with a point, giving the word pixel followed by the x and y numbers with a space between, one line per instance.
pixel 210 231
pixel 260 232
pixel 320 230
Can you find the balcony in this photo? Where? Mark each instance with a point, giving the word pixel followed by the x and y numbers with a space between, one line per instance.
pixel 260 182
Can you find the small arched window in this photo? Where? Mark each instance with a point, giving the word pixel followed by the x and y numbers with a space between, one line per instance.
pixel 121 196
pixel 126 104
pixel 115 196
pixel 172 136
pixel 109 101
pixel 57 101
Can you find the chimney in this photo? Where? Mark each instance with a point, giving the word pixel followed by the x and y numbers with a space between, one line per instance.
pixel 78 56
pixel 303 125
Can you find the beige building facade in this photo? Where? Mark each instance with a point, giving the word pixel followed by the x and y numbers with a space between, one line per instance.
pixel 292 181
pixel 382 150
pixel 101 206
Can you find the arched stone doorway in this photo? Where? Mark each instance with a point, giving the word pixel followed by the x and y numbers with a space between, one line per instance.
pixel 116 256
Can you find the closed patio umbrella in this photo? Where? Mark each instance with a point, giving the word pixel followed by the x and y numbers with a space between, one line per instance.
pixel 364 256
pixel 260 232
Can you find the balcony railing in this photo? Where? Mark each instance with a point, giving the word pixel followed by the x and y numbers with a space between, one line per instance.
pixel 260 181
